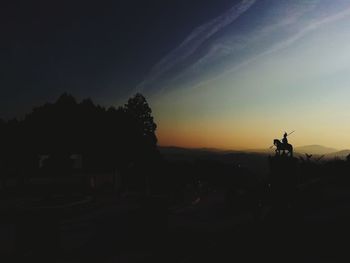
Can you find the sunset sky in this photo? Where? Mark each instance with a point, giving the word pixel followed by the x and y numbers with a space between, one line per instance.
pixel 261 68
pixel 222 74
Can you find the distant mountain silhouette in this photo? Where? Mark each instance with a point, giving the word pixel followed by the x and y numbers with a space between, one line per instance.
pixel 340 154
pixel 197 151
pixel 192 153
pixel 315 149
pixel 299 150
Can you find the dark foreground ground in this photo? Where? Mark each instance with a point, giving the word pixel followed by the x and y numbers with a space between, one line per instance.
pixel 312 229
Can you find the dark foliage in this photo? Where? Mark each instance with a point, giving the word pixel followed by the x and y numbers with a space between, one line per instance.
pixel 106 138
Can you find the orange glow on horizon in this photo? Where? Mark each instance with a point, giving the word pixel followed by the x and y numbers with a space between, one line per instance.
pixel 206 139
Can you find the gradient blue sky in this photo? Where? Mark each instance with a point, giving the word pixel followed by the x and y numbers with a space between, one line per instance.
pixel 258 69
pixel 229 74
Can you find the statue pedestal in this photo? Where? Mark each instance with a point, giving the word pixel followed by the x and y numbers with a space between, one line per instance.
pixel 283 178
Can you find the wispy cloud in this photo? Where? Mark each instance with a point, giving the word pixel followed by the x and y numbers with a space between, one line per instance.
pixel 284 43
pixel 204 56
pixel 194 41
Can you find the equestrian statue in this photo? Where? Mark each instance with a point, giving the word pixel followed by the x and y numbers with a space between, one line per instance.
pixel 283 147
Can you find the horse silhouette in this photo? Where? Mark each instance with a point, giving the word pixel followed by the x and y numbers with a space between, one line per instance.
pixel 282 147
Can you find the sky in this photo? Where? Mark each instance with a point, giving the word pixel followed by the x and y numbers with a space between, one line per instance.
pixel 218 74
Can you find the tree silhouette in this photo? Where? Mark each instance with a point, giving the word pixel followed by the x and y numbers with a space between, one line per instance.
pixel 113 138
pixel 138 107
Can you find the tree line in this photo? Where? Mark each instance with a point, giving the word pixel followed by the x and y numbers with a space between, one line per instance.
pixel 105 137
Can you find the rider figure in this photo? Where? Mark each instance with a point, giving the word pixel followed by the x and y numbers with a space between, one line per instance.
pixel 285 140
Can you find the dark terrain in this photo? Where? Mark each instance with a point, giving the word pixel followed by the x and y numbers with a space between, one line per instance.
pixel 97 196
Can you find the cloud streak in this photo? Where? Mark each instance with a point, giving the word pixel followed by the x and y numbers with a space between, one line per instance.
pixel 216 47
pixel 194 41
pixel 285 43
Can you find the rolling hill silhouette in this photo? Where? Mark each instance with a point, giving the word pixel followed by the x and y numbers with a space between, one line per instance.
pixel 242 156
pixel 339 154
pixel 315 149
pixel 310 149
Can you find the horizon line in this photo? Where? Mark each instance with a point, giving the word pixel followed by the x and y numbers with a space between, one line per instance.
pixel 246 149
